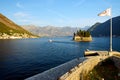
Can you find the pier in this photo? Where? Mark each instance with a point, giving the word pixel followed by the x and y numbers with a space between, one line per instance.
pixel 95 53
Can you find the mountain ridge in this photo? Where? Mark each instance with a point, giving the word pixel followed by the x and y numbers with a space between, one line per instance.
pixel 50 30
pixel 103 29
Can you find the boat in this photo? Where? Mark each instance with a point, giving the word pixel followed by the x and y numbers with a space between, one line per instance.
pixel 50 40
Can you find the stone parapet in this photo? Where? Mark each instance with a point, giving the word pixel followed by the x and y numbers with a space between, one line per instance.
pixel 81 70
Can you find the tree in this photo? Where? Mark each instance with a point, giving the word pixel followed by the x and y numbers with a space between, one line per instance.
pixel 82 33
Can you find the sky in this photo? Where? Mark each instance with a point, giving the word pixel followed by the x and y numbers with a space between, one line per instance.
pixel 74 13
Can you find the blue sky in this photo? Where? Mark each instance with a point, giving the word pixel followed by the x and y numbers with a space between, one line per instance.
pixel 74 13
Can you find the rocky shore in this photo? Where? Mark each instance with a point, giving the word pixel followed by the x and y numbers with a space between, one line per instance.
pixel 84 39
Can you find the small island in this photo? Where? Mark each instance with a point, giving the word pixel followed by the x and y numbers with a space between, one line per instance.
pixel 82 35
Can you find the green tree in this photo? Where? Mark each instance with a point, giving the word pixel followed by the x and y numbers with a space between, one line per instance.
pixel 82 33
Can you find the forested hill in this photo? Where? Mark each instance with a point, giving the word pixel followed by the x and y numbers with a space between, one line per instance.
pixel 8 28
pixel 103 29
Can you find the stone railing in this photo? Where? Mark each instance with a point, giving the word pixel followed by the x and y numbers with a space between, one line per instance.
pixel 81 70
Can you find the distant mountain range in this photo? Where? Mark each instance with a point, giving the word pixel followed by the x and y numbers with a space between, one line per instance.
pixel 97 30
pixel 103 29
pixel 50 30
pixel 8 28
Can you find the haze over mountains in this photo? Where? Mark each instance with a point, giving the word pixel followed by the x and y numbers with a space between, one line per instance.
pixel 103 29
pixel 9 28
pixel 52 30
pixel 97 30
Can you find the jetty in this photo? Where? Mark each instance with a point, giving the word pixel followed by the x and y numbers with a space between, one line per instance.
pixel 95 53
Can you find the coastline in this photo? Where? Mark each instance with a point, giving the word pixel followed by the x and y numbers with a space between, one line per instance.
pixel 12 37
pixel 16 36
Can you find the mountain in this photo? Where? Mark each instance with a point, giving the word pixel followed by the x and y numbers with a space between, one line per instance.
pixel 9 29
pixel 85 28
pixel 50 30
pixel 93 27
pixel 103 29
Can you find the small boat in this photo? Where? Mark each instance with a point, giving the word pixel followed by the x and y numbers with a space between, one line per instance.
pixel 50 40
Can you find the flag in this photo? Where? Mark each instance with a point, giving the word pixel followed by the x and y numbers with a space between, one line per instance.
pixel 106 12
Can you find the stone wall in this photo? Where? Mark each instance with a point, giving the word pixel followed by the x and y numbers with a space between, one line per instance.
pixel 56 72
pixel 116 61
pixel 87 38
pixel 115 56
pixel 78 38
pixel 79 71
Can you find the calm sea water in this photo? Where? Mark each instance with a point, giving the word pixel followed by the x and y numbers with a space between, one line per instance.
pixel 22 58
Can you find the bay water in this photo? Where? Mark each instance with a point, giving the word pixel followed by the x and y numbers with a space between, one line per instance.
pixel 22 58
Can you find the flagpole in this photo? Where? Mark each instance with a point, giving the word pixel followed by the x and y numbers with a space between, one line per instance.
pixel 108 12
pixel 111 32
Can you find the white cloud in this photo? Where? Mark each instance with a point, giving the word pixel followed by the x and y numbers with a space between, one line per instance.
pixel 60 20
pixel 19 5
pixel 58 14
pixel 22 17
pixel 25 18
pixel 21 14
pixel 79 3
pixel 50 2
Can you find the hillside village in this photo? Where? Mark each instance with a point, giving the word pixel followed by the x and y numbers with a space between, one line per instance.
pixel 10 30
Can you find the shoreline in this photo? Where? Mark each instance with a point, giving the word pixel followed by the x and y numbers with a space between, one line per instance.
pixel 17 38
pixel 82 39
